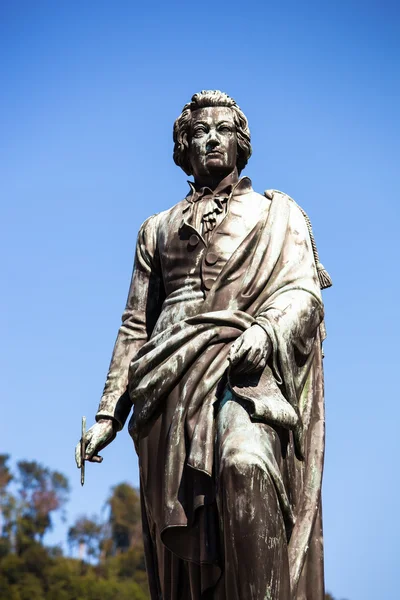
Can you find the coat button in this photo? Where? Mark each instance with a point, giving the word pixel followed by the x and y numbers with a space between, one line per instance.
pixel 194 240
pixel 211 258
pixel 209 283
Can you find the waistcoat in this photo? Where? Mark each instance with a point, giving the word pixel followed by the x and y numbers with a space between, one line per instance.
pixel 189 265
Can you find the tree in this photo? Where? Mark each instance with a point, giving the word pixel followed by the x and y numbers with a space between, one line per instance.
pixel 41 492
pixel 86 535
pixel 5 473
pixel 125 517
pixel 7 504
pixel 31 571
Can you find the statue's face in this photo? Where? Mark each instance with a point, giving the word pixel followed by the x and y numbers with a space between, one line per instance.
pixel 213 141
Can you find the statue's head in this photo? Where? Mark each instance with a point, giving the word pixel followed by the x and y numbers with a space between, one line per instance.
pixel 211 135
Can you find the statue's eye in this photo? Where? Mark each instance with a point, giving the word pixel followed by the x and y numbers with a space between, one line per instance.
pixel 225 129
pixel 199 131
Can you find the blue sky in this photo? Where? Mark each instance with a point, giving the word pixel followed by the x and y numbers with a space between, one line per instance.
pixel 89 93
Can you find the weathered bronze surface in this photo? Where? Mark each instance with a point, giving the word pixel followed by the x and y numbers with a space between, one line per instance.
pixel 219 352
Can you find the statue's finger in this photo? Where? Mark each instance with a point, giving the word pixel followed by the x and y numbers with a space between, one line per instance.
pixel 254 354
pixel 263 363
pixel 232 351
pixel 247 367
pixel 90 450
pixel 96 458
pixel 234 359
pixel 256 364
pixel 236 352
pixel 252 362
pixel 241 364
pixel 88 435
pixel 78 459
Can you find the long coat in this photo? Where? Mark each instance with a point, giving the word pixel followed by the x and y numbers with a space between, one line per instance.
pixel 188 301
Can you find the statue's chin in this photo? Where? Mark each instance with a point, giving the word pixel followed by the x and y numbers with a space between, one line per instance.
pixel 215 161
pixel 217 168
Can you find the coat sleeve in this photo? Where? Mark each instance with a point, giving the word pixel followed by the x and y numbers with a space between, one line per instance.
pixel 142 309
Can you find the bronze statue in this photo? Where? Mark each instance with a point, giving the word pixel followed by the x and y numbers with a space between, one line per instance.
pixel 219 353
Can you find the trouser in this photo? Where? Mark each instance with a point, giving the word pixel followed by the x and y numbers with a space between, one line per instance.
pixel 251 500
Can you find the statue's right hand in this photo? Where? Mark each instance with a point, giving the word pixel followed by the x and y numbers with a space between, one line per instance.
pixel 96 438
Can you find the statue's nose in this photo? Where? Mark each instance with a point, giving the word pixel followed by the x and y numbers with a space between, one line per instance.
pixel 212 143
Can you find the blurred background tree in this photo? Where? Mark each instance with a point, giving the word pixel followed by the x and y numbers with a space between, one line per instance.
pixel 124 517
pixel 87 536
pixel 109 560
pixel 6 505
pixel 40 494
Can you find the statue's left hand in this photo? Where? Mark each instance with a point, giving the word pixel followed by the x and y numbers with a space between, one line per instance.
pixel 251 350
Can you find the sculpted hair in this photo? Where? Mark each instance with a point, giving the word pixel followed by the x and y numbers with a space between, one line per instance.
pixel 205 99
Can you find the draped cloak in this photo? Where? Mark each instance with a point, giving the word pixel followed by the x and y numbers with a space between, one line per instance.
pixel 180 368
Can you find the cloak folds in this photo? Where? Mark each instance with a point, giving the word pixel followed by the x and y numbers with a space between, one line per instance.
pixel 175 381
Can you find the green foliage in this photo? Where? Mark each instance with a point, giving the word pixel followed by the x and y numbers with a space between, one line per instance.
pixel 86 535
pixel 41 492
pixel 7 502
pixel 125 519
pixel 27 511
pixel 31 571
pixel 5 473
pixel 64 579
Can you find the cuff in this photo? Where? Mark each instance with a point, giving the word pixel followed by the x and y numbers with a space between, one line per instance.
pixel 117 408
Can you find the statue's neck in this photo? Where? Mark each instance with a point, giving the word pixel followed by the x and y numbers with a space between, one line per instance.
pixel 215 180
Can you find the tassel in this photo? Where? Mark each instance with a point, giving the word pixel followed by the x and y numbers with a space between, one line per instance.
pixel 324 278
